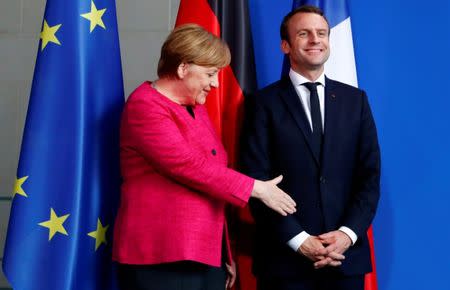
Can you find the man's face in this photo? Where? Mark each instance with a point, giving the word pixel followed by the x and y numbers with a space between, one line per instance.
pixel 308 46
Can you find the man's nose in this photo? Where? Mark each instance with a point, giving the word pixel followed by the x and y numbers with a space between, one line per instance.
pixel 314 37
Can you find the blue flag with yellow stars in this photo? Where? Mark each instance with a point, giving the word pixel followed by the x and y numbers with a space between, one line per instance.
pixel 68 181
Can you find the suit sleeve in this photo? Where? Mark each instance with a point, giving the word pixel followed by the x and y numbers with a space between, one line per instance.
pixel 366 186
pixel 159 140
pixel 255 162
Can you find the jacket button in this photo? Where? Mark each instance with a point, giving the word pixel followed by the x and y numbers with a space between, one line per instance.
pixel 214 152
pixel 322 180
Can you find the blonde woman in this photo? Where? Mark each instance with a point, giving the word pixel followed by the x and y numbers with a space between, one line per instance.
pixel 169 232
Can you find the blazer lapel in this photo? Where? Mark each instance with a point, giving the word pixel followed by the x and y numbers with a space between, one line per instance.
pixel 295 108
pixel 332 104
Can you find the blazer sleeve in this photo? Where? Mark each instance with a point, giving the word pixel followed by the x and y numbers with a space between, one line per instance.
pixel 255 162
pixel 366 185
pixel 159 140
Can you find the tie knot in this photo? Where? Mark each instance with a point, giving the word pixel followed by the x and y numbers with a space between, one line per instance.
pixel 311 86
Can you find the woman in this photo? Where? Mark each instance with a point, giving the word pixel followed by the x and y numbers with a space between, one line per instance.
pixel 169 232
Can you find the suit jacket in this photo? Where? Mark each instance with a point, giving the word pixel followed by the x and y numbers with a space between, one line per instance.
pixel 175 184
pixel 338 188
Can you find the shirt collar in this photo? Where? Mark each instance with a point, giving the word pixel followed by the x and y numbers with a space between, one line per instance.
pixel 297 79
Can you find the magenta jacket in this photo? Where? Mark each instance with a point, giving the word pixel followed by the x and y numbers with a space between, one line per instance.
pixel 175 184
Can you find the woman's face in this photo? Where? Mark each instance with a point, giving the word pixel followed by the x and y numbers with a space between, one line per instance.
pixel 198 81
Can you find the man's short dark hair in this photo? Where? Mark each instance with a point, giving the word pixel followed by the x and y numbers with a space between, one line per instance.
pixel 302 9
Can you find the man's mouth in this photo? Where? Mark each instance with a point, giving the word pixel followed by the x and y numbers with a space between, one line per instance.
pixel 314 50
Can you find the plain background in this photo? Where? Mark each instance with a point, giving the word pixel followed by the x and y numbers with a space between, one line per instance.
pixel 402 60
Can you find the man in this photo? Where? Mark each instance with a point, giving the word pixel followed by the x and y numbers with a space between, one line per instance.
pixel 320 135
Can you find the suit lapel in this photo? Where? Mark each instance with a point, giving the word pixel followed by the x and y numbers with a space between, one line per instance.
pixel 332 103
pixel 295 108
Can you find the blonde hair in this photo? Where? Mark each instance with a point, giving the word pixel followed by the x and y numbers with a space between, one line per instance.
pixel 190 43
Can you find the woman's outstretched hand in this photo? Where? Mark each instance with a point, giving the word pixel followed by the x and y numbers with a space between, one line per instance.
pixel 273 197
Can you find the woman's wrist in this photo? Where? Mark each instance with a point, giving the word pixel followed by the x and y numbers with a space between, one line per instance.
pixel 258 189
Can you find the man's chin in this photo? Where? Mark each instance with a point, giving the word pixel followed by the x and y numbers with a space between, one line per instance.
pixel 316 64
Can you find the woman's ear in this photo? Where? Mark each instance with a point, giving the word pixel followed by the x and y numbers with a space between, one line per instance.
pixel 182 70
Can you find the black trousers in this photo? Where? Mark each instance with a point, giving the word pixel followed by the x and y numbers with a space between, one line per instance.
pixel 184 275
pixel 321 280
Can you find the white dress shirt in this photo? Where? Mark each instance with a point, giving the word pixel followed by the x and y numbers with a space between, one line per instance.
pixel 303 93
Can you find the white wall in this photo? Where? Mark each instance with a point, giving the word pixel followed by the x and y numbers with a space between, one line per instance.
pixel 143 26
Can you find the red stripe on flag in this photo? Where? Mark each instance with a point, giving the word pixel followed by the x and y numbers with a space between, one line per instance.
pixel 199 12
pixel 371 278
pixel 224 104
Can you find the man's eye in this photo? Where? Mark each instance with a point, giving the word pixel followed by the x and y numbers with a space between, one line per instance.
pixel 302 34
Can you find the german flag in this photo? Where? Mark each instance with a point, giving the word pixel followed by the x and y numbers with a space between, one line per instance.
pixel 230 21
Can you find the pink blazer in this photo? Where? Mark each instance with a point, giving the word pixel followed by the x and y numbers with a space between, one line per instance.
pixel 175 184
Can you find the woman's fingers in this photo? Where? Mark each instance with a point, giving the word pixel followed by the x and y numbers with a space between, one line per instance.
pixel 276 180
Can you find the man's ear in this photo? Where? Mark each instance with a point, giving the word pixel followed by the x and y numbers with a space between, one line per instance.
pixel 182 70
pixel 285 47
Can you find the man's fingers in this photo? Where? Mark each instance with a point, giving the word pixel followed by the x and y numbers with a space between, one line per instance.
pixel 327 262
pixel 320 254
pixel 322 263
pixel 327 238
pixel 331 248
pixel 336 256
pixel 327 241
pixel 335 263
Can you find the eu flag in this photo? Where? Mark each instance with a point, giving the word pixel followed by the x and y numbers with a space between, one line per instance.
pixel 68 180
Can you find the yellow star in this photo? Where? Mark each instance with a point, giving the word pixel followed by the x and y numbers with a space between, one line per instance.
pixel 18 186
pixel 95 16
pixel 55 224
pixel 99 234
pixel 48 34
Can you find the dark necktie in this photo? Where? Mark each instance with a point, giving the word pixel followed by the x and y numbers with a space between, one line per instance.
pixel 316 118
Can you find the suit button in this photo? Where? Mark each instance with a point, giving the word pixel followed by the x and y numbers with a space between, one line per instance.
pixel 322 180
pixel 213 152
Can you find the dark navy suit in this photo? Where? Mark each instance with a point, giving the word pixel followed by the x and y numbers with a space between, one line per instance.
pixel 338 188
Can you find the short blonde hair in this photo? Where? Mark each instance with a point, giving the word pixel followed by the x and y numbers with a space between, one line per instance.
pixel 190 43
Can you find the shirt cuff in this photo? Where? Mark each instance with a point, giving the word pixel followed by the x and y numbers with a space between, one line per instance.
pixel 349 233
pixel 298 240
